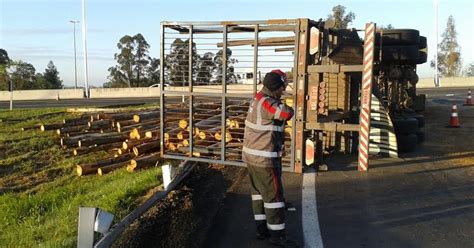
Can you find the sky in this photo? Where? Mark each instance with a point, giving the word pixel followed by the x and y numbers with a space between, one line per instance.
pixel 37 31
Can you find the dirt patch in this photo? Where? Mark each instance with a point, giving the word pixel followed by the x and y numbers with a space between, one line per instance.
pixel 183 219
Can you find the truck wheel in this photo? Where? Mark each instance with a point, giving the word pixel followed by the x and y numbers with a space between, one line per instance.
pixel 399 37
pixel 422 57
pixel 421 120
pixel 421 137
pixel 399 53
pixel 405 126
pixel 423 43
pixel 406 143
pixel 419 117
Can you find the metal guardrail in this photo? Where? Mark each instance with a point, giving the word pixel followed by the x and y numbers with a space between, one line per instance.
pixel 110 237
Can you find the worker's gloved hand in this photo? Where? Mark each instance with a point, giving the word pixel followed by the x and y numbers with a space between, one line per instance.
pixel 282 152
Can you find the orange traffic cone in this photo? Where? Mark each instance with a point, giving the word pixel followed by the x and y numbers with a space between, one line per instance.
pixel 469 99
pixel 454 121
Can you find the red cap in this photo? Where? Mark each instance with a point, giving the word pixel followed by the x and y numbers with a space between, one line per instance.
pixel 281 73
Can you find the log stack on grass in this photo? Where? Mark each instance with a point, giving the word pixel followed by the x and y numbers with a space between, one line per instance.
pixel 132 138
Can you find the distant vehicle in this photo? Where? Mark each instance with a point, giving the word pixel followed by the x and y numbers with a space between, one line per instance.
pixel 157 85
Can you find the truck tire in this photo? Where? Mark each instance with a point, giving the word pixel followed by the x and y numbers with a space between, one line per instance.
pixel 407 54
pixel 399 37
pixel 421 137
pixel 421 120
pixel 419 117
pixel 423 43
pixel 422 57
pixel 407 143
pixel 405 125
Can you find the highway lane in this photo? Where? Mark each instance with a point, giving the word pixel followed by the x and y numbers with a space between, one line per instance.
pixel 431 92
pixel 77 103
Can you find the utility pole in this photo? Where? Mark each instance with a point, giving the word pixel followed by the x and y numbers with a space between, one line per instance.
pixel 436 80
pixel 75 56
pixel 84 41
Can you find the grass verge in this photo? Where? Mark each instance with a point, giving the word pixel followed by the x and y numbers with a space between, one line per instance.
pixel 40 194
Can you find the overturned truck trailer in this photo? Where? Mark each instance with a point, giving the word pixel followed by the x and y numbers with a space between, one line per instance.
pixel 202 64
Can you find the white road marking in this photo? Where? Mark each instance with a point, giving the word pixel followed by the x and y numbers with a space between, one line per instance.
pixel 311 231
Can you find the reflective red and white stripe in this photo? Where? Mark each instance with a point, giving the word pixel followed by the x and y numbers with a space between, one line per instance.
pixel 364 120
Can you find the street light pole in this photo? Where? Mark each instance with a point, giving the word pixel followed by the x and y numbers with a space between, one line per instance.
pixel 84 41
pixel 437 84
pixel 75 57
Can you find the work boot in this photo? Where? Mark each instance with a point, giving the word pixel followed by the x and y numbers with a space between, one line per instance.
pixel 282 241
pixel 289 206
pixel 262 232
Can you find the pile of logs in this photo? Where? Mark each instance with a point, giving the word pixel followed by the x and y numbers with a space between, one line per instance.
pixel 133 138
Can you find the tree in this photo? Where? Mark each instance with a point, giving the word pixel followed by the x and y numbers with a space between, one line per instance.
pixel 449 52
pixel 205 69
pixel 4 59
pixel 388 27
pixel 341 20
pixel 469 70
pixel 132 62
pixel 153 72
pixel 23 75
pixel 4 62
pixel 50 78
pixel 218 61
pixel 177 63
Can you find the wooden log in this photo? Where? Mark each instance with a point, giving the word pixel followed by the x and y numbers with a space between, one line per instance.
pixel 228 136
pixel 148 124
pixel 122 151
pixel 146 116
pixel 101 140
pixel 143 162
pixel 66 141
pixel 183 135
pixel 104 147
pixel 116 116
pixel 146 147
pixel 123 123
pixel 99 124
pixel 140 132
pixel 76 121
pixel 108 168
pixel 183 123
pixel 92 168
pixel 46 127
pixel 152 134
pixel 38 127
pixel 171 146
pixel 129 144
pixel 71 129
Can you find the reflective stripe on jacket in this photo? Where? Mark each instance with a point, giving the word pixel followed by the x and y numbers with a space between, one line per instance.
pixel 264 129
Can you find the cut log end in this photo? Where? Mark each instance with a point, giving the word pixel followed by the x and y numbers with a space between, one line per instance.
pixel 136 118
pixel 79 170
pixel 183 123
pixel 135 151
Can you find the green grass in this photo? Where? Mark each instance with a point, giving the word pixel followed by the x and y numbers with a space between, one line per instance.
pixel 40 194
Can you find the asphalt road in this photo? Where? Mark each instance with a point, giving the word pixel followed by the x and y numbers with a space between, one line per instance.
pixel 431 92
pixel 77 103
pixel 422 199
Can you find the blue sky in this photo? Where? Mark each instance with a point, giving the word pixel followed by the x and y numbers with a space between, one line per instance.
pixel 37 31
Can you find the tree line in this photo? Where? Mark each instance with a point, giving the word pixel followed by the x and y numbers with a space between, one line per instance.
pixel 136 68
pixel 24 75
